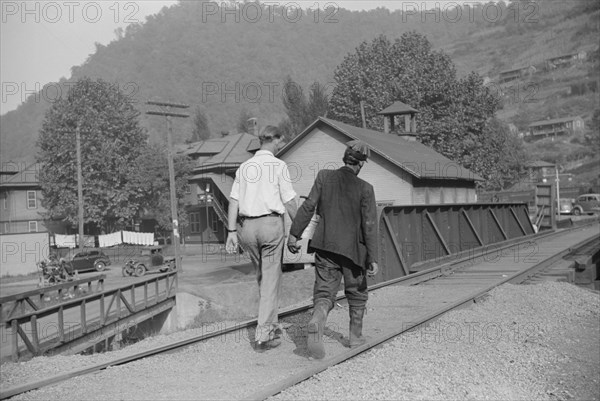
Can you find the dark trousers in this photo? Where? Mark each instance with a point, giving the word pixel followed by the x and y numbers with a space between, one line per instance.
pixel 329 270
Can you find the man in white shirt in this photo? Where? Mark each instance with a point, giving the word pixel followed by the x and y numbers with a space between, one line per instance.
pixel 262 192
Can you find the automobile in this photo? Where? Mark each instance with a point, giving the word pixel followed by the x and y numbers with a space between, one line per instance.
pixel 87 261
pixel 566 205
pixel 150 258
pixel 587 203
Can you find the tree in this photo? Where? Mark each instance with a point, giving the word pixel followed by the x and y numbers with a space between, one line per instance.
pixel 456 116
pixel 593 138
pixel 502 157
pixel 300 112
pixel 111 140
pixel 318 102
pixel 149 180
pixel 200 130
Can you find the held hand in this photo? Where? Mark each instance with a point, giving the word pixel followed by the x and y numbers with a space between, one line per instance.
pixel 373 269
pixel 231 245
pixel 293 245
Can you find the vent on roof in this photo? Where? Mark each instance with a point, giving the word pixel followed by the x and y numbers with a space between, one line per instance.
pixel 392 120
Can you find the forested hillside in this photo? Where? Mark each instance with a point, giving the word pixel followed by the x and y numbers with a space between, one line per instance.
pixel 185 54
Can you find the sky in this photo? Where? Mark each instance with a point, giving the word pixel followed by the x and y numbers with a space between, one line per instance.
pixel 41 40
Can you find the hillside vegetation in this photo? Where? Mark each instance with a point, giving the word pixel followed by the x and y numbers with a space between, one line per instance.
pixel 185 55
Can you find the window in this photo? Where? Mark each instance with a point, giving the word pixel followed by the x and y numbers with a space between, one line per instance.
pixel 33 227
pixel 195 223
pixel 5 201
pixel 31 200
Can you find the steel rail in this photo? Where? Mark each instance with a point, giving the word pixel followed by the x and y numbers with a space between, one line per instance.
pixel 411 279
pixel 517 278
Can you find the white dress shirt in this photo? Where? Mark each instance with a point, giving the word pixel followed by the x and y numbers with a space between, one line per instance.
pixel 262 185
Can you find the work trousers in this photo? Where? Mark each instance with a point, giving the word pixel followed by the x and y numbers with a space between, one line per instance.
pixel 329 270
pixel 262 238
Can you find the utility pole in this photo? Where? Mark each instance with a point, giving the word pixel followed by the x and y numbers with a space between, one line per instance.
pixel 557 191
pixel 362 113
pixel 165 112
pixel 79 187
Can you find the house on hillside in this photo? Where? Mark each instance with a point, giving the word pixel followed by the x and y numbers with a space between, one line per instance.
pixel 402 170
pixel 565 60
pixel 555 127
pixel 516 73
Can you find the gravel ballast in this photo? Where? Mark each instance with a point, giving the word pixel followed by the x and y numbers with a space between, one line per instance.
pixel 529 342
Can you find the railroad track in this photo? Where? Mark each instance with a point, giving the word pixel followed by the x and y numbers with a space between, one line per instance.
pixel 440 289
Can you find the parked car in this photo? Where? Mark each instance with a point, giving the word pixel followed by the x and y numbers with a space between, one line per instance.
pixel 587 203
pixel 150 258
pixel 87 261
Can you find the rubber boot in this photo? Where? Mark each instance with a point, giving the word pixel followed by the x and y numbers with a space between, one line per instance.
pixel 356 323
pixel 316 327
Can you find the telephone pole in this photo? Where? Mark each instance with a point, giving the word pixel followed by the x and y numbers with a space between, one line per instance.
pixel 165 111
pixel 81 241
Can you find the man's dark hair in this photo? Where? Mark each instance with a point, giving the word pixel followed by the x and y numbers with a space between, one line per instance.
pixel 268 133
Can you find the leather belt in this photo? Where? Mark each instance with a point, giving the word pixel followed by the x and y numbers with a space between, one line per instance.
pixel 263 215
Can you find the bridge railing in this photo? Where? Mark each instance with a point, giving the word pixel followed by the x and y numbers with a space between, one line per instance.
pixel 415 237
pixel 40 298
pixel 62 326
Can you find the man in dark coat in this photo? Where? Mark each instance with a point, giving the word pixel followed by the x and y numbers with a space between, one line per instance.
pixel 344 243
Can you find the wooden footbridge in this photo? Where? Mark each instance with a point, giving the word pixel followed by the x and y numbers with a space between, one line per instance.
pixel 73 317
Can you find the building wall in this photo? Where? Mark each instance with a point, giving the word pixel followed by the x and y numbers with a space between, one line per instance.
pixel 16 211
pixel 444 191
pixel 19 253
pixel 391 183
pixel 324 147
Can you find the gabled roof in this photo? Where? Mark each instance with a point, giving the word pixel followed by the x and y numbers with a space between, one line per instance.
pixel 231 150
pixel 516 69
pixel 564 56
pixel 397 108
pixel 553 121
pixel 539 164
pixel 209 147
pixel 9 168
pixel 27 177
pixel 411 156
